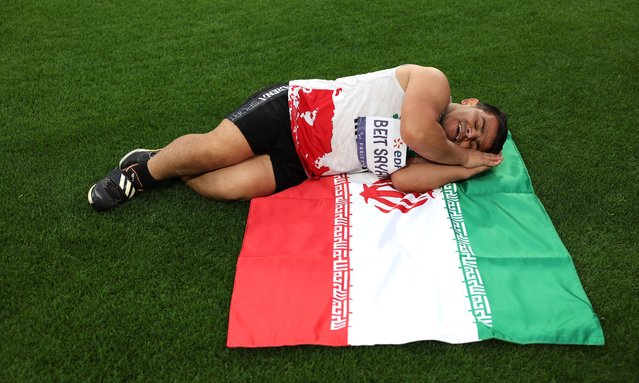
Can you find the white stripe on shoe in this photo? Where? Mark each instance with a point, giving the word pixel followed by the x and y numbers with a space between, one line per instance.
pixel 127 191
pixel 91 198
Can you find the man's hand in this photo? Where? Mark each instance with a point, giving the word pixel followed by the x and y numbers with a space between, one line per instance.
pixel 475 159
pixel 471 172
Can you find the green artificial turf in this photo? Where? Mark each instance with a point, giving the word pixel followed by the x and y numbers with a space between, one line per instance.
pixel 142 293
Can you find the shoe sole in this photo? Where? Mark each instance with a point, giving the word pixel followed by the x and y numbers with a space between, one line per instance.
pixel 133 152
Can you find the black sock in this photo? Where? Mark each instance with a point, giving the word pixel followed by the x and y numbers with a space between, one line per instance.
pixel 141 177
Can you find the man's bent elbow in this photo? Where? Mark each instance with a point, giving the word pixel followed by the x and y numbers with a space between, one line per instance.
pixel 398 181
pixel 406 184
pixel 402 183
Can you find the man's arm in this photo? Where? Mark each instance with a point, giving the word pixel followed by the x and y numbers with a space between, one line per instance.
pixel 427 96
pixel 421 175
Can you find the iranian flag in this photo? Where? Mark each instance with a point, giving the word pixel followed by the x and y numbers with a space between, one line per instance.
pixel 348 260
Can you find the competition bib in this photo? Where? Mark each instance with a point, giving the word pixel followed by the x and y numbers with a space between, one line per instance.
pixel 380 148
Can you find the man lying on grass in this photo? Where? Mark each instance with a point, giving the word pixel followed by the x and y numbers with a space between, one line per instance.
pixel 398 123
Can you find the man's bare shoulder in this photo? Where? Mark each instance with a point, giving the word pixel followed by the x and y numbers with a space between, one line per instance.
pixel 422 75
pixel 427 89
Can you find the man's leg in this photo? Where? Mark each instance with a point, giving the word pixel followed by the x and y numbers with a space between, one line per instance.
pixel 251 178
pixel 189 155
pixel 194 154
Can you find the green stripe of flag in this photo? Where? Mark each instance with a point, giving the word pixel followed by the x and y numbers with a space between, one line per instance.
pixel 530 281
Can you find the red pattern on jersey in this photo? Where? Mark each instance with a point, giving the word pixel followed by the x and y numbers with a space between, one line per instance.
pixel 312 125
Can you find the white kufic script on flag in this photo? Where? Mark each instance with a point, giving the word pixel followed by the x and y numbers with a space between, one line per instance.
pixel 341 267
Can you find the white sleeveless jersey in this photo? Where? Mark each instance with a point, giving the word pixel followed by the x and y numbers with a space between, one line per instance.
pixel 324 116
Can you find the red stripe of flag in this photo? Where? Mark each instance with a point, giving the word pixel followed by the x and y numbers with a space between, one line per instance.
pixel 283 293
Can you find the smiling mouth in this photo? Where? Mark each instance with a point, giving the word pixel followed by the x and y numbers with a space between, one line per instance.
pixel 459 131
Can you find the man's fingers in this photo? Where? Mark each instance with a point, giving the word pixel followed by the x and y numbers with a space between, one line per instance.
pixel 477 158
pixel 489 159
pixel 493 159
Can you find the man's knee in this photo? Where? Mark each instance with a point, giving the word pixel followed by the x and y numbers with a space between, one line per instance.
pixel 225 145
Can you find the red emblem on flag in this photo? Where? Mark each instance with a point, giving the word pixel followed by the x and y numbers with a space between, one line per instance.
pixel 384 197
pixel 398 143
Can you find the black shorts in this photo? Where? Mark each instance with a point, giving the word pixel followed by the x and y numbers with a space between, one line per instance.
pixel 265 123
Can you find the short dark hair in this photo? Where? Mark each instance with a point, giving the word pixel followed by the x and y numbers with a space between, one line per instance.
pixel 502 129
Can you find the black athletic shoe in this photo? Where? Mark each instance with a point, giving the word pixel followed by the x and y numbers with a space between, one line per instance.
pixel 112 191
pixel 136 156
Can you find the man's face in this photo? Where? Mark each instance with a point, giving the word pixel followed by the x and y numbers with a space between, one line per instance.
pixel 470 127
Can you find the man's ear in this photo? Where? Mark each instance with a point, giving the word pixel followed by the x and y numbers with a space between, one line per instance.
pixel 470 101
